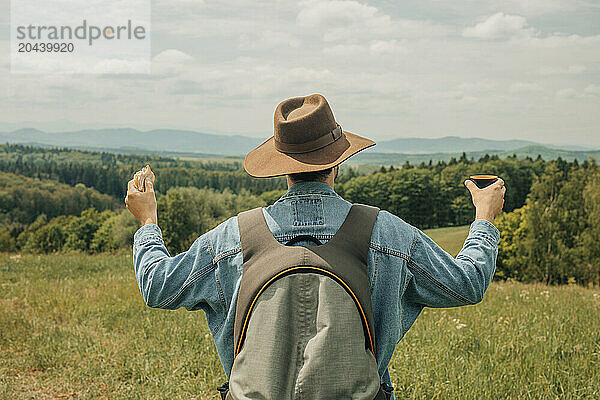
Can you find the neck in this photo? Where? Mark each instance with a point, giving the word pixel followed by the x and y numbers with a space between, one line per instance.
pixel 329 181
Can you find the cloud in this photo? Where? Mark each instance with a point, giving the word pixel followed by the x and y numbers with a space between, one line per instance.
pixel 377 48
pixel 381 47
pixel 349 20
pixel 500 26
pixel 560 40
pixel 267 40
pixel 593 90
pixel 336 13
pixel 344 50
pixel 413 68
pixel 524 87
pixel 567 94
pixel 574 69
pixel 171 62
pixel 173 56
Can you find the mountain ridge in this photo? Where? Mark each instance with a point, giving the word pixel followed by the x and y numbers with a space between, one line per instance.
pixel 189 141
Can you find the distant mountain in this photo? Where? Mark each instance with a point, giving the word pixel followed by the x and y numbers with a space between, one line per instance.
pixel 181 141
pixel 448 144
pixel 158 140
pixel 546 153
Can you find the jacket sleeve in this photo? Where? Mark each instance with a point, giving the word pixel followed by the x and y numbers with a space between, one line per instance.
pixel 439 280
pixel 185 280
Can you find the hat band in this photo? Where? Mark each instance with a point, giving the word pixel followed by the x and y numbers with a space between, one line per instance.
pixel 307 147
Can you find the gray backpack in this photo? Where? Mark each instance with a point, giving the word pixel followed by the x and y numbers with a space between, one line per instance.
pixel 304 320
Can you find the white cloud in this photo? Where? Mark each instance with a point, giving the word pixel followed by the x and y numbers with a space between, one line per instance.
pixel 267 39
pixel 385 68
pixel 171 61
pixel 466 100
pixel 345 50
pixel 593 90
pixel 336 13
pixel 560 40
pixel 524 87
pixel 351 21
pixel 536 7
pixel 381 47
pixel 573 69
pixel 173 56
pixel 568 93
pixel 500 26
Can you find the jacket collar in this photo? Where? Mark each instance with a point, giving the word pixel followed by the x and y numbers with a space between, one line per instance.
pixel 312 187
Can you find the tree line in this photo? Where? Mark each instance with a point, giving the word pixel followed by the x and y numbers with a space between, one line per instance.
pixel 549 226
pixel 434 195
pixel 555 237
pixel 185 213
pixel 23 199
pixel 108 177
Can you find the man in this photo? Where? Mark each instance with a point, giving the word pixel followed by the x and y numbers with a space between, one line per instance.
pixel 407 270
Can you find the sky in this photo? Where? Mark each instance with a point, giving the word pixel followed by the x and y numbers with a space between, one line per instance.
pixel 389 69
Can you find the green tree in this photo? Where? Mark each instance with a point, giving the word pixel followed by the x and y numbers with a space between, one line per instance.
pixel 553 238
pixel 115 233
pixel 589 241
pixel 82 230
pixel 186 213
pixel 512 260
pixel 7 242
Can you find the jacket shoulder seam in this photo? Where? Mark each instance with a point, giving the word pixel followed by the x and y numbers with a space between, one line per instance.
pixel 226 254
pixel 387 250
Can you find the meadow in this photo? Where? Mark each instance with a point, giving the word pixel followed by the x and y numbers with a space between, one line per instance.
pixel 75 326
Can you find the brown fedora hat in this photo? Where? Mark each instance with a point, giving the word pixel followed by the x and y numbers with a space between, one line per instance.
pixel 306 139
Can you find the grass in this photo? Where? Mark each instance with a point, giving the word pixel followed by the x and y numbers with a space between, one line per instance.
pixel 450 239
pixel 75 326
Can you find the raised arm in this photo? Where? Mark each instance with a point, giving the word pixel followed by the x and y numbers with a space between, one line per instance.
pixel 186 280
pixel 438 279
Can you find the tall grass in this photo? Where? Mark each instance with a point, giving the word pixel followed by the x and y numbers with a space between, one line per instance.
pixel 75 326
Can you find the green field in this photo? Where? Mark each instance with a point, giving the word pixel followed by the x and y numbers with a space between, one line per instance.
pixel 75 326
pixel 450 239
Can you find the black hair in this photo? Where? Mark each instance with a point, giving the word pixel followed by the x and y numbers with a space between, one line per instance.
pixel 311 176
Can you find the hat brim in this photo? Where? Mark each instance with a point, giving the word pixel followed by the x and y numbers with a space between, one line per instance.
pixel 266 161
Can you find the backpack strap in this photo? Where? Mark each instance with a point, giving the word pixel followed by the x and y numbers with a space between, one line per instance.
pixel 354 236
pixel 255 235
pixel 344 256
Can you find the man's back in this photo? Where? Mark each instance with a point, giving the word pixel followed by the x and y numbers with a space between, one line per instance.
pixel 407 270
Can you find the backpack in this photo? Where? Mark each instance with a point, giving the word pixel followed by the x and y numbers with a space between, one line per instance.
pixel 304 324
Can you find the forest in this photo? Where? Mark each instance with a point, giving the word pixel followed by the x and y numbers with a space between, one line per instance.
pixel 66 200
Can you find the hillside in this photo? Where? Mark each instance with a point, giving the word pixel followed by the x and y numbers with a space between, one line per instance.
pixel 23 199
pixel 448 144
pixel 182 143
pixel 532 151
pixel 132 140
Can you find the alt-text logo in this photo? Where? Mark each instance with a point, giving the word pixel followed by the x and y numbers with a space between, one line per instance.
pixel 85 31
pixel 74 36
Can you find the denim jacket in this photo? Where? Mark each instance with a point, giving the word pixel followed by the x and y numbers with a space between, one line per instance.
pixel 407 269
